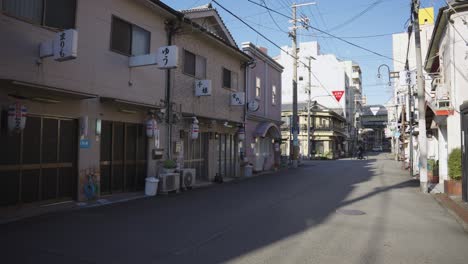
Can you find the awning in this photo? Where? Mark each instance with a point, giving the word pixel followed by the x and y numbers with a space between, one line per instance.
pixel 28 90
pixel 265 127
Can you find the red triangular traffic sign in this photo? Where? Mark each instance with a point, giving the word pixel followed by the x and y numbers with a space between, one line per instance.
pixel 338 95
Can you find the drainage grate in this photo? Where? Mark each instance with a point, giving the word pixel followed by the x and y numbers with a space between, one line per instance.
pixel 350 212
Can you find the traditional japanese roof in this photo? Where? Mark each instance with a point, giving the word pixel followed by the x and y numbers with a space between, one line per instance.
pixel 207 13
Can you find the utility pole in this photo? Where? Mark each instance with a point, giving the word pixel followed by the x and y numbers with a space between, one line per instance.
pixel 295 127
pixel 308 108
pixel 410 119
pixel 421 101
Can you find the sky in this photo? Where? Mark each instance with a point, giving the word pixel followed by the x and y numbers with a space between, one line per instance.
pixel 358 21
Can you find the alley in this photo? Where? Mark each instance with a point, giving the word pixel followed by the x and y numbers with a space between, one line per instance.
pixel 342 211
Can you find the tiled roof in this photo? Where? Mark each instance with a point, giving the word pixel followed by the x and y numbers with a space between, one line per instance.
pixel 209 7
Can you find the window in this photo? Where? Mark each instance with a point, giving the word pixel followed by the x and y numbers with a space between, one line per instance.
pixel 194 65
pixel 229 79
pixel 50 13
pixel 258 87
pixel 129 39
pixel 301 78
pixel 273 94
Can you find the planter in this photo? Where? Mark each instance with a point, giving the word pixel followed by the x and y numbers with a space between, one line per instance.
pixel 431 178
pixel 166 170
pixel 452 187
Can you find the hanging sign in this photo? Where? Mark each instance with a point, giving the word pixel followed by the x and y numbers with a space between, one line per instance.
pixel 253 105
pixel 202 87
pixel 17 117
pixel 374 110
pixel 407 78
pixel 238 98
pixel 168 57
pixel 66 45
pixel 338 95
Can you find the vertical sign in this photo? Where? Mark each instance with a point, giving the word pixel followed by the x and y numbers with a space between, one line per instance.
pixel 66 45
pixel 338 95
pixel 168 57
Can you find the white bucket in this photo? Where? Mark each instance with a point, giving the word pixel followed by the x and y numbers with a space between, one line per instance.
pixel 151 186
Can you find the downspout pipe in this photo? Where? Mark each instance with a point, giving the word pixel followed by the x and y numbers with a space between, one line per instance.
pixel 170 30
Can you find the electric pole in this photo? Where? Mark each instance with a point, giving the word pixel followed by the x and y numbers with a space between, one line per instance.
pixel 295 126
pixel 410 119
pixel 421 101
pixel 308 108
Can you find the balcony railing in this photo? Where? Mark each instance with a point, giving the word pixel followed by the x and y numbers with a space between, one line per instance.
pixel 439 97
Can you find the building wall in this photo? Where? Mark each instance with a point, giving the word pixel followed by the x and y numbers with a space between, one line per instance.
pixel 218 104
pixel 97 69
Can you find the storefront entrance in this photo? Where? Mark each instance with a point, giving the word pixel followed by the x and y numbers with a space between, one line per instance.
pixel 39 164
pixel 123 157
pixel 227 155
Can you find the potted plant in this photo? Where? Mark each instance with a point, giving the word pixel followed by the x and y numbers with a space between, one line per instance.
pixel 169 166
pixel 454 186
pixel 433 171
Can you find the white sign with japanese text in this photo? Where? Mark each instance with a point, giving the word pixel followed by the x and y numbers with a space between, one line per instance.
pixel 202 87
pixel 66 45
pixel 168 57
pixel 407 78
pixel 237 98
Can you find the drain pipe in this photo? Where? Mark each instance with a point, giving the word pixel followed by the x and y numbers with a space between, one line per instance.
pixel 170 29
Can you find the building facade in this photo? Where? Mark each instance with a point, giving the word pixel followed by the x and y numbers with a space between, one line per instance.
pixel 85 132
pixel 263 109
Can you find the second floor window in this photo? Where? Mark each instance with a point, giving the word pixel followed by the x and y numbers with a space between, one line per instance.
pixel 58 14
pixel 229 79
pixel 194 65
pixel 258 87
pixel 129 39
pixel 273 94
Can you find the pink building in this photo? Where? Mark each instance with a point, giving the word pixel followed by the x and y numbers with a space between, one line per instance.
pixel 263 113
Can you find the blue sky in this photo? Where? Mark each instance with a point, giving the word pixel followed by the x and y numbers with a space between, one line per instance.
pixel 334 16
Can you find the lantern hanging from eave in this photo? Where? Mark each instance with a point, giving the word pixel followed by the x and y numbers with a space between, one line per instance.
pixel 194 129
pixel 241 133
pixel 17 117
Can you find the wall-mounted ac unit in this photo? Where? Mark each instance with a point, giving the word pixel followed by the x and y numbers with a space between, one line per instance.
pixel 168 182
pixel 187 178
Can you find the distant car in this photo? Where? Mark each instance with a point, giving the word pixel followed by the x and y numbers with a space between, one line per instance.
pixel 377 148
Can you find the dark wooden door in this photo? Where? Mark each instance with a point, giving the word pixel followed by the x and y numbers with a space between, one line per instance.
pixel 123 157
pixel 39 164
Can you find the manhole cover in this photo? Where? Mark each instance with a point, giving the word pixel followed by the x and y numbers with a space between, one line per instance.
pixel 350 212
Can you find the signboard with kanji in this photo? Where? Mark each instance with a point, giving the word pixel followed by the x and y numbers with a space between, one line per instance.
pixel 407 78
pixel 237 98
pixel 338 95
pixel 202 87
pixel 65 45
pixel 168 57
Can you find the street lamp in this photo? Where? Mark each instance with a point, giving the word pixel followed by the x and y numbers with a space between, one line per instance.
pixel 388 70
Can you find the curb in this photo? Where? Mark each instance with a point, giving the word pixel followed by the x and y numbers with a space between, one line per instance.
pixel 458 212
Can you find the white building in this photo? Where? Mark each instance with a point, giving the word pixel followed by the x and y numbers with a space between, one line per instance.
pixel 329 76
pixel 447 61
pixel 401 51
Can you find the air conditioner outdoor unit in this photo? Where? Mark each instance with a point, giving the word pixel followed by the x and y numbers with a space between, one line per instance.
pixel 187 178
pixel 168 182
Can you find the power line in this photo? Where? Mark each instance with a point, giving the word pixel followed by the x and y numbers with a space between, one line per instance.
pixel 267 39
pixel 329 34
pixel 374 4
pixel 274 21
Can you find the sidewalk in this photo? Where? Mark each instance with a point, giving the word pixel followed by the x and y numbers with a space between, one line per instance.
pixel 456 207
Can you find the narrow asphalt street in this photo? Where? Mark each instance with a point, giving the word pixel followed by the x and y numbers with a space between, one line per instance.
pixel 294 216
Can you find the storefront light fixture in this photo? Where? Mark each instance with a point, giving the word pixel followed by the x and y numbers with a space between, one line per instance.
pixel 128 111
pixel 45 100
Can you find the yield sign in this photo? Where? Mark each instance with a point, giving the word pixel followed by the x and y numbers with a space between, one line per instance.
pixel 374 110
pixel 338 95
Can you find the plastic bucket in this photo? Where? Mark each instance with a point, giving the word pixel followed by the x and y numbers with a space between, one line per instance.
pixel 151 186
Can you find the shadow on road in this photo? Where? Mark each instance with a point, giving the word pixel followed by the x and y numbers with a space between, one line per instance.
pixel 210 225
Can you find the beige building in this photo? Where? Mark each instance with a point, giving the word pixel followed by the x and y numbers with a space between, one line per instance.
pixel 327 132
pixel 84 134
